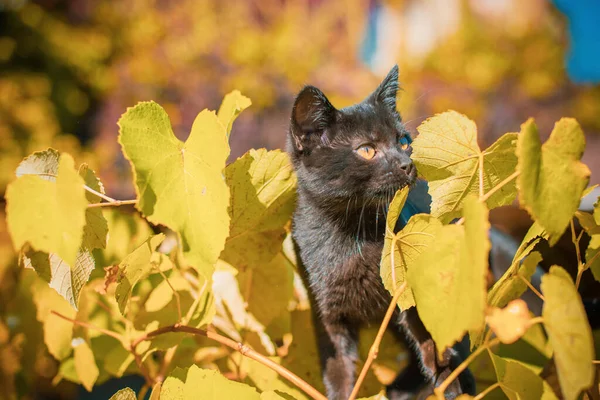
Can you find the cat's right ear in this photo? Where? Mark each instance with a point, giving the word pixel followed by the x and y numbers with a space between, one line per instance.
pixel 312 114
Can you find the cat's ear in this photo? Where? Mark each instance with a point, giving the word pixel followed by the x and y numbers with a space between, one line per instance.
pixel 386 93
pixel 312 114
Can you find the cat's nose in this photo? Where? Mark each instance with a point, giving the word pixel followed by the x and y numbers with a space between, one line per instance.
pixel 407 167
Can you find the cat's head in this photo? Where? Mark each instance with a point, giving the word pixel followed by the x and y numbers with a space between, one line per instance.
pixel 360 151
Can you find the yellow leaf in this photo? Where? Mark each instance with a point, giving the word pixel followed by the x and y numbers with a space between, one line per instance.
pixel 49 216
pixel 85 365
pixel 551 176
pixel 446 153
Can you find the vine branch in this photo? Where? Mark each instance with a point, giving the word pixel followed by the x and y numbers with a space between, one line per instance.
pixel 374 350
pixel 243 349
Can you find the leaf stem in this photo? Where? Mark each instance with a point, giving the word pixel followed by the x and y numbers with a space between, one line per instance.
pixel 177 298
pixel 439 391
pixel 499 186
pixel 374 350
pixel 89 326
pixel 243 349
pixel 530 286
pixel 115 335
pixel 113 203
pixel 487 391
pixel 578 253
pixel 101 195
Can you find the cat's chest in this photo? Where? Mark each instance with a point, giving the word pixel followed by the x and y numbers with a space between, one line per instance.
pixel 343 277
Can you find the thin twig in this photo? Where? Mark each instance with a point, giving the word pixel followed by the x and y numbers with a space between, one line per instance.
pixel 111 204
pixel 115 335
pixel 142 394
pixel 177 299
pixel 439 391
pixel 101 195
pixel 89 326
pixel 530 286
pixel 595 361
pixel 578 252
pixel 374 350
pixel 499 186
pixel 244 350
pixel 487 391
pixel 591 260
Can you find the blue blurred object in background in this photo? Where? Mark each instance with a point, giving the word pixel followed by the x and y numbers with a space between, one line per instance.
pixel 583 58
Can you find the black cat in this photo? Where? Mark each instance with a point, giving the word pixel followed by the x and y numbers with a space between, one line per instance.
pixel 349 163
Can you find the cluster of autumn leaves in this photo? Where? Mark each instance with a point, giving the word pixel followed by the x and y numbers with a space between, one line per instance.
pixel 225 264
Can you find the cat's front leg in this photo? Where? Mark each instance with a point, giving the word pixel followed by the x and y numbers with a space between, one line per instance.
pixel 434 369
pixel 339 352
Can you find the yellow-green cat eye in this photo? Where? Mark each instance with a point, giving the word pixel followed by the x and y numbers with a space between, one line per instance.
pixel 365 151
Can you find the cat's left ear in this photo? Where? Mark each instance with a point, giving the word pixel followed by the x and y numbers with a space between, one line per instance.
pixel 386 93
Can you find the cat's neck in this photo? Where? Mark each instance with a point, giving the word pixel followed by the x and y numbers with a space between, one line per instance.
pixel 359 220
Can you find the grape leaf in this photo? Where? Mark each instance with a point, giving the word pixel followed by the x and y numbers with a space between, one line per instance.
pixel 124 394
pixel 453 272
pixel 569 332
pixel 510 286
pixel 551 176
pixel 179 184
pixel 415 237
pixel 230 305
pixel 517 381
pixel 66 280
pixel 58 332
pixel 85 365
pixel 447 155
pixel 127 231
pixel 262 185
pixel 233 104
pixel 268 288
pixel 95 230
pixel 133 268
pixel 205 384
pixel 592 255
pixel 50 216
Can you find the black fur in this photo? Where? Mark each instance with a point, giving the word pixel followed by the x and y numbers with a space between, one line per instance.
pixel 338 229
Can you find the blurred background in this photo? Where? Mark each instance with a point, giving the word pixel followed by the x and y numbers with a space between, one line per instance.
pixel 70 68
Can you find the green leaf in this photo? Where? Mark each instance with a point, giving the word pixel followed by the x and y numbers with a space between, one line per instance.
pixel 568 331
pixel 517 381
pixel 133 268
pixel 446 153
pixel 231 306
pixel 179 184
pixel 49 216
pixel 593 257
pixel 95 231
pixel 510 286
pixel 66 280
pixel 205 384
pixel 263 196
pixel 127 231
pixel 551 178
pixel 268 289
pixel 408 244
pixel 233 104
pixel 124 394
pixel 453 272
pixel 58 332
pixel 85 365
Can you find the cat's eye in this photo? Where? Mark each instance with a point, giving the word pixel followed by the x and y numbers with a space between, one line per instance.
pixel 404 142
pixel 365 151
